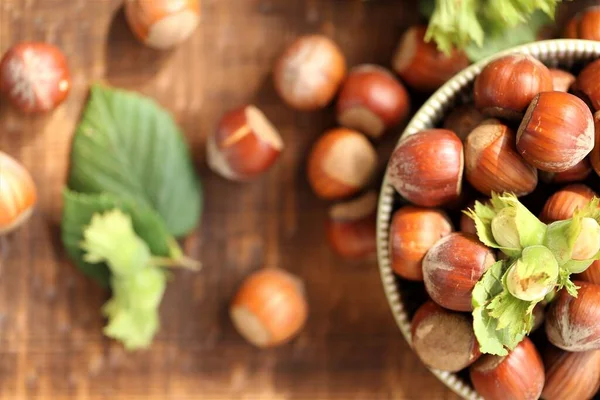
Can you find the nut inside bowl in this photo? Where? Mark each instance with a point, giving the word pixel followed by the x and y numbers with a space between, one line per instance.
pixel 403 296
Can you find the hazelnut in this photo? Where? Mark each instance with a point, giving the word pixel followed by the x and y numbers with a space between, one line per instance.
pixel 34 77
pixel 562 204
pixel 18 194
pixel 595 154
pixel 591 274
pixel 372 100
pixel 557 132
pixel 576 173
pixel 244 145
pixel 463 119
pixel 351 227
pixel 572 322
pixel 587 84
pixel 493 163
pixel 269 308
pixel 443 339
pixel 309 72
pixel 341 163
pixel 506 86
pixel 427 168
pixel 571 376
pixel 561 80
pixel 452 267
pixel 162 24
pixel 421 65
pixel 584 25
pixel 413 231
pixel 519 375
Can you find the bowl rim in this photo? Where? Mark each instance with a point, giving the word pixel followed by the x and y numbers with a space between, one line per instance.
pixel 548 51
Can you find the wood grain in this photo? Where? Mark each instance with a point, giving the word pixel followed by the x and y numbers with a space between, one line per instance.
pixel 51 344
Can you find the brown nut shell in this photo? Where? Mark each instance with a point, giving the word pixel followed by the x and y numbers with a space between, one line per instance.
pixel 557 132
pixel 571 376
pixel 563 203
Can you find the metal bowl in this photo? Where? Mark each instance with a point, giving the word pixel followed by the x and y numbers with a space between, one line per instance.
pixel 403 296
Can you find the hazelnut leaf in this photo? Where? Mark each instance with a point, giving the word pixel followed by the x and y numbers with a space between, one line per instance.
pixel 128 146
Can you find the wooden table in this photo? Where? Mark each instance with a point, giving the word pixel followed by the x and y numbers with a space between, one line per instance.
pixel 51 345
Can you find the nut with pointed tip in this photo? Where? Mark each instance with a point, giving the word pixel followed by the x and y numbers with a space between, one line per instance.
pixel 351 227
pixel 421 65
pixel 162 24
pixel 413 231
pixel 371 100
pixel 443 339
pixel 561 79
pixel 308 74
pixel 571 376
pixel 269 308
pixel 493 163
pixel 18 194
pixel 572 322
pixel 341 163
pixel 452 267
pixel 557 132
pixel 587 84
pixel 463 119
pixel 562 204
pixel 506 86
pixel 427 168
pixel 519 375
pixel 34 77
pixel 577 173
pixel 244 145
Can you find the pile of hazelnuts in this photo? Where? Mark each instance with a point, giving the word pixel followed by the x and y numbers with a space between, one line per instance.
pixel 526 127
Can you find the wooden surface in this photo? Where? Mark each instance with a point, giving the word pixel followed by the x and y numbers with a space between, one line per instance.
pixel 51 345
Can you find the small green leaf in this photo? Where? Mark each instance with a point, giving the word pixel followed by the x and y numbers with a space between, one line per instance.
pixel 78 212
pixel 128 146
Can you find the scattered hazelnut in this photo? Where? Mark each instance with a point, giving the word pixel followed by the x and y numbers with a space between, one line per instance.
pixel 351 227
pixel 34 77
pixel 584 25
pixel 452 267
pixel 162 24
pixel 519 375
pixel 443 339
pixel 506 86
pixel 269 308
pixel 372 100
pixel 309 72
pixel 413 231
pixel 18 194
pixel 493 163
pixel 427 168
pixel 463 119
pixel 341 163
pixel 557 132
pixel 421 65
pixel 244 145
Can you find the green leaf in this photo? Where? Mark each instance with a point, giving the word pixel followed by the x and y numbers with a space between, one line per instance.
pixel 500 320
pixel 454 24
pixel 500 37
pixel 78 212
pixel 128 146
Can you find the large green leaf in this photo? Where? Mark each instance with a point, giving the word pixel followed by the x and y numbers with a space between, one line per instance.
pixel 78 212
pixel 129 146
